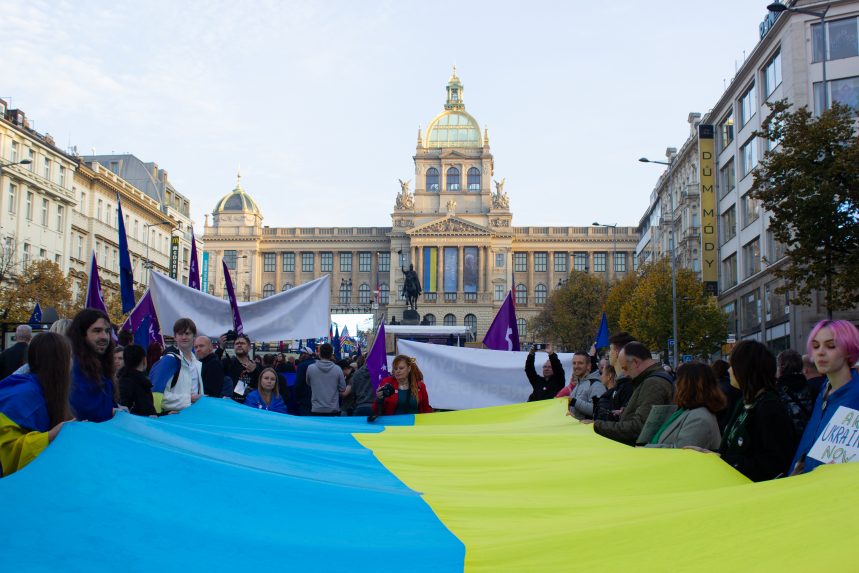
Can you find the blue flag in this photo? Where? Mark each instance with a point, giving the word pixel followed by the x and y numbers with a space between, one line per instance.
pixel 194 266
pixel 143 322
pixel 36 317
pixel 602 333
pixel 126 276
pixel 335 342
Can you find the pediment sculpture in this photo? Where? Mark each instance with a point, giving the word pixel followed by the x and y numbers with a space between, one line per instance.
pixel 499 198
pixel 405 199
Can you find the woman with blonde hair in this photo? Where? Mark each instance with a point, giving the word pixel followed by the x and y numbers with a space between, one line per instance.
pixel 404 392
pixel 267 396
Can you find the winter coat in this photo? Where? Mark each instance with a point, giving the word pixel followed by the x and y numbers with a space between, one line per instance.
pixel 544 389
pixel 649 388
pixel 586 390
pixel 696 427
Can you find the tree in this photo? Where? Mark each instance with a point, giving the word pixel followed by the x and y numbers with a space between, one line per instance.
pixel 810 185
pixel 620 292
pixel 41 282
pixel 647 313
pixel 572 313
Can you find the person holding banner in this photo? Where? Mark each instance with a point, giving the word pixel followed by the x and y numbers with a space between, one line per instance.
pixel 553 379
pixel 93 395
pixel 404 392
pixel 834 347
pixel 267 396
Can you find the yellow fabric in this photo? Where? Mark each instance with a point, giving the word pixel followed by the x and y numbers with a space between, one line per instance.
pixel 529 489
pixel 157 398
pixel 18 447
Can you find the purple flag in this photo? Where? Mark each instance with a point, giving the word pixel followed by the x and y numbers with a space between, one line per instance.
pixel 93 289
pixel 377 359
pixel 143 322
pixel 503 334
pixel 194 266
pixel 234 304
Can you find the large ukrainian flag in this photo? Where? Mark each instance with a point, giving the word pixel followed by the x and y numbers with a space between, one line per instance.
pixel 223 487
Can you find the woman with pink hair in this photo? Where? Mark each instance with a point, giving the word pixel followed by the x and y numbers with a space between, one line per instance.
pixel 834 347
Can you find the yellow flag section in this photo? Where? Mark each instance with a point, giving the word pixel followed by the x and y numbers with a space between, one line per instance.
pixel 526 488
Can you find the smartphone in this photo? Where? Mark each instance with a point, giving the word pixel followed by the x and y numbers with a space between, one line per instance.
pixel 540 346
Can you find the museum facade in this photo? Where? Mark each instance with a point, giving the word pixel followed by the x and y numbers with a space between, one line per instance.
pixel 455 226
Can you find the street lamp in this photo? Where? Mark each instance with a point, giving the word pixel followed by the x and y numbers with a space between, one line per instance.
pixel 778 7
pixel 11 163
pixel 670 164
pixel 614 244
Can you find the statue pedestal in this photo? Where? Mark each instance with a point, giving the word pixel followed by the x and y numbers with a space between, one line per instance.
pixel 411 317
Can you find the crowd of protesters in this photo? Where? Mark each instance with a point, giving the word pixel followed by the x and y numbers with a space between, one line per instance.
pixel 760 413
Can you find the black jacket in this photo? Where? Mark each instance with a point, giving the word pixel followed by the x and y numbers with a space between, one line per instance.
pixel 135 393
pixel 302 390
pixel 614 399
pixel 12 359
pixel 213 376
pixel 544 389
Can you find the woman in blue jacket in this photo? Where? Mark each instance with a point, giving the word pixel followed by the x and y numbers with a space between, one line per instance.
pixel 266 396
pixel 34 406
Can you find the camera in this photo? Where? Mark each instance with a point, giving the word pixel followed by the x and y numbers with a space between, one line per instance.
pixel 540 346
pixel 231 335
pixel 387 391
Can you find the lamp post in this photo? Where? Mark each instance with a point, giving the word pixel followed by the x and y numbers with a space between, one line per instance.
pixel 670 164
pixel 614 245
pixel 778 7
pixel 4 163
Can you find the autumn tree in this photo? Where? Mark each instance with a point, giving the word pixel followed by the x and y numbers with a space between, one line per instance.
pixel 810 185
pixel 647 313
pixel 572 313
pixel 41 282
pixel 620 292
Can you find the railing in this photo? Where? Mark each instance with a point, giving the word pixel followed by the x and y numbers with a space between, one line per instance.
pixel 450 297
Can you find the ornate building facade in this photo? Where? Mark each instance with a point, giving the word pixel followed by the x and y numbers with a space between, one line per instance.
pixel 455 225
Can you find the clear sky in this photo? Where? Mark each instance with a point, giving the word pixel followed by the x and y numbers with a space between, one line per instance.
pixel 319 102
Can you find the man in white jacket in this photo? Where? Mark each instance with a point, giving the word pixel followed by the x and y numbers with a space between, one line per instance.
pixel 186 388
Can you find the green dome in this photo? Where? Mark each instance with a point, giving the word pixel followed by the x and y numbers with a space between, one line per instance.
pixel 236 202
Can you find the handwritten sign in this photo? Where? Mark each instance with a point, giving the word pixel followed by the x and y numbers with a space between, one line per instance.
pixel 839 441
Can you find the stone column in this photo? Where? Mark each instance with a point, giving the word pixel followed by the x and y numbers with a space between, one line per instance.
pixel 530 284
pixel 550 270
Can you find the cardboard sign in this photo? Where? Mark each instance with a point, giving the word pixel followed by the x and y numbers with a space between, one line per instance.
pixel 839 441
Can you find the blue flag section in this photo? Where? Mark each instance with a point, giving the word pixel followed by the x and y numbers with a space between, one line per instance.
pixel 219 487
pixel 126 275
pixel 193 266
pixel 602 333
pixel 36 316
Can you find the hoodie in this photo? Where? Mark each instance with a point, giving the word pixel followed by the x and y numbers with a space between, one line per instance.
pixel 326 381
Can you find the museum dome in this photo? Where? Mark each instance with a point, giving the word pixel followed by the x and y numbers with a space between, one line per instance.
pixel 453 127
pixel 237 201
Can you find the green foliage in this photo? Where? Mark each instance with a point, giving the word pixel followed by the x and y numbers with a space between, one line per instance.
pixel 620 292
pixel 572 313
pixel 810 184
pixel 43 282
pixel 647 312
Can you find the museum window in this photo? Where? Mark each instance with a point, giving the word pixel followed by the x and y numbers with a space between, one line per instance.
pixel 364 294
pixel 429 319
pixel 384 262
pixel 432 179
pixel 269 263
pixel 307 262
pixel 520 262
pixel 560 262
pixel 345 293
pixel 230 258
pixel 288 262
pixel 268 290
pixel 521 294
pixel 385 293
pixel 449 320
pixel 453 179
pixel 599 262
pixel 474 179
pixel 499 260
pixel 326 262
pixel 499 292
pixel 286 287
pixel 522 328
pixel 364 262
pixel 471 322
pixel 540 262
pixel 580 262
pixel 345 262
pixel 540 293
pixel 620 262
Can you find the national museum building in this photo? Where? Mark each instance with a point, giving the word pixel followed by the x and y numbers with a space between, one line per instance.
pixel 453 226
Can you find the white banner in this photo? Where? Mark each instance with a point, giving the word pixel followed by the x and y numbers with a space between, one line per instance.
pixel 301 312
pixel 462 378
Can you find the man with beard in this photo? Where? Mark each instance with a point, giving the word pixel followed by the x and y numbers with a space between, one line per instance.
pixel 241 368
pixel 92 395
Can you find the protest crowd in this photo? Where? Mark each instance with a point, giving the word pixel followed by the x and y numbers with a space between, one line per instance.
pixel 760 413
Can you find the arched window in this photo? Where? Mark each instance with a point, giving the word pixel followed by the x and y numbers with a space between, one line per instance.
pixel 364 294
pixel 474 179
pixel 540 294
pixel 521 294
pixel 345 293
pixel 385 293
pixel 429 319
pixel 268 290
pixel 453 179
pixel 449 320
pixel 286 287
pixel 471 322
pixel 432 179
pixel 520 325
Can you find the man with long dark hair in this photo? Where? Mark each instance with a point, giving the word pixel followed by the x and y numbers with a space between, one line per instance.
pixel 92 396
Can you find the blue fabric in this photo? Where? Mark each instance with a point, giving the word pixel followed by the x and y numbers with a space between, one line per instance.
pixel 36 316
pixel 89 401
pixel 126 275
pixel 254 400
pixel 143 494
pixel 162 372
pixel 847 395
pixel 23 402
